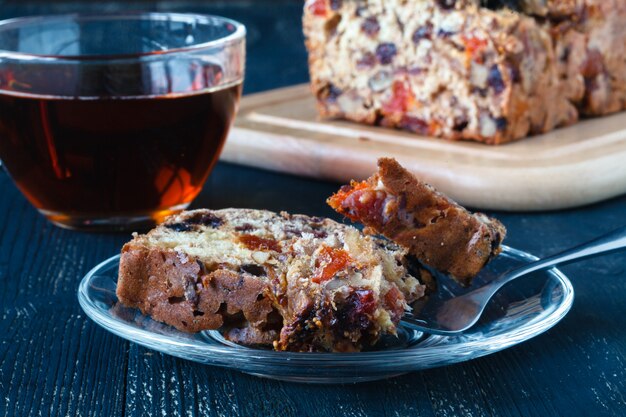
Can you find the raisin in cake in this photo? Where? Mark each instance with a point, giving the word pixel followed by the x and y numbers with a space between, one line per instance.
pixel 486 70
pixel 436 230
pixel 300 283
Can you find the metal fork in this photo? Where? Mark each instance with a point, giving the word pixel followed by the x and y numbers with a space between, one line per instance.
pixel 446 314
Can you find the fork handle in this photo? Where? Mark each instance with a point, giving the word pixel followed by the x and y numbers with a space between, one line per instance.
pixel 610 242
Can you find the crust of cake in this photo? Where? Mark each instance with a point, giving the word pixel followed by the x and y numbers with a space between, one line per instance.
pixel 436 230
pixel 178 293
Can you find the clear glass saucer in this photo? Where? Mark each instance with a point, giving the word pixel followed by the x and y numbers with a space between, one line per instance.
pixel 521 310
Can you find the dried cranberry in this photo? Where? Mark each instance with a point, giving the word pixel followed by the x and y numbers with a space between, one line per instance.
pixel 318 7
pixel 367 204
pixel 593 64
pixel 370 26
pixel 494 79
pixel 393 301
pixel 402 99
pixel 446 4
pixel 385 52
pixel 354 313
pixel 423 32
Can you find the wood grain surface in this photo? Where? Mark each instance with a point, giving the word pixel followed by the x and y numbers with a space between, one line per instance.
pixel 56 362
pixel 281 130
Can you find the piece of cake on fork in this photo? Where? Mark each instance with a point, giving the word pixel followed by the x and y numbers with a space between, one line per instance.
pixel 436 230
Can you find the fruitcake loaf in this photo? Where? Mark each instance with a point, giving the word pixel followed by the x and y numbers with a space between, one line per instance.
pixel 434 229
pixel 486 70
pixel 435 68
pixel 591 47
pixel 295 282
pixel 589 39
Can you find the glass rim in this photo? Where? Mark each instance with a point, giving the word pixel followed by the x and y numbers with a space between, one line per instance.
pixel 236 36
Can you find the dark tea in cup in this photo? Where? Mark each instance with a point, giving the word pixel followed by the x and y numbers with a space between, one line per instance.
pixel 111 134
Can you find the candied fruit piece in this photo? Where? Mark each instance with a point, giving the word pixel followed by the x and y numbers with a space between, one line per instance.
pixel 253 242
pixel 355 312
pixel 359 200
pixel 473 47
pixel 329 262
pixel 318 7
pixel 402 99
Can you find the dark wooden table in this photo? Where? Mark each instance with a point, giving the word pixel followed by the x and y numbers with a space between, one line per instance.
pixel 54 361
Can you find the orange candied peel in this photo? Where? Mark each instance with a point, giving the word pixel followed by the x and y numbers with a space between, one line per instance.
pixel 259 243
pixel 329 262
pixel 336 200
pixel 402 99
pixel 473 45
pixel 358 201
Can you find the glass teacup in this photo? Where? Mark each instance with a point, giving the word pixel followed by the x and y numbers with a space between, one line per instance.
pixel 115 121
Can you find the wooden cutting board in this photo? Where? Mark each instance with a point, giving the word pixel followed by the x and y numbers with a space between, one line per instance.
pixel 280 130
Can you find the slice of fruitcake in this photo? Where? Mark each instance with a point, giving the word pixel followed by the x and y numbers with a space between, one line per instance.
pixel 436 230
pixel 295 282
